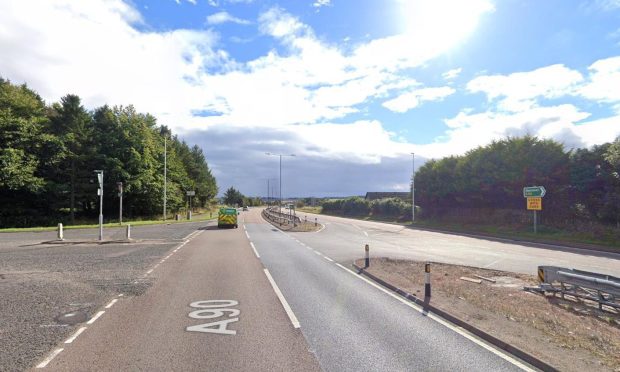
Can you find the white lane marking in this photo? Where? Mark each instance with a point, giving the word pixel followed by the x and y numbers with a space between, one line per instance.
pixel 328 259
pixel 244 227
pixel 53 355
pixel 121 295
pixel 322 227
pixel 111 303
pixel 285 304
pixel 365 233
pixel 302 243
pixel 254 249
pixel 75 335
pixel 491 264
pixel 93 319
pixel 318 253
pixel 441 321
pixel 248 235
pixel 357 227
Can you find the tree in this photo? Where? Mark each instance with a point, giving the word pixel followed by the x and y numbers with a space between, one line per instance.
pixel 233 197
pixel 72 124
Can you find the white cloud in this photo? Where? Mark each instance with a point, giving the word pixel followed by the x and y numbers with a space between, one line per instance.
pixel 520 91
pixel 223 17
pixel 321 3
pixel 414 98
pixel 452 74
pixel 604 81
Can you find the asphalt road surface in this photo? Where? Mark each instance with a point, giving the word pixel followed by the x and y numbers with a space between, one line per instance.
pixel 343 239
pixel 255 298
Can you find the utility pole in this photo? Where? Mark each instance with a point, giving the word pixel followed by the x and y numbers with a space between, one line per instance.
pixel 165 170
pixel 413 189
pixel 100 192
pixel 120 209
pixel 280 155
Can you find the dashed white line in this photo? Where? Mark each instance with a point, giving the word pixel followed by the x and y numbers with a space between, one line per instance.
pixel 111 303
pixel 53 355
pixel 254 249
pixel 285 304
pixel 75 335
pixel 365 233
pixel 248 235
pixel 93 319
pixel 441 321
pixel 318 253
pixel 328 259
pixel 244 227
pixel 150 271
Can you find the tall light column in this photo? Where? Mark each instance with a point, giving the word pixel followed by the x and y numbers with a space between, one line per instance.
pixel 100 192
pixel 280 155
pixel 413 189
pixel 165 171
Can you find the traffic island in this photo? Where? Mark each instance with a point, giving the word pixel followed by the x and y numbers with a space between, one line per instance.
pixel 566 334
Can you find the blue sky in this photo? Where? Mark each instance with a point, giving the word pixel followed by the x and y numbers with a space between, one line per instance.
pixel 350 87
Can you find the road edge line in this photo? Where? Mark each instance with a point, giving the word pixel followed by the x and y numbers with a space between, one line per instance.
pixel 287 307
pixel 254 249
pixel 75 335
pixel 49 358
pixel 480 337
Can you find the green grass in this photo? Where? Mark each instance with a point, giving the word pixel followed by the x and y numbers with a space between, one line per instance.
pixel 316 210
pixel 195 218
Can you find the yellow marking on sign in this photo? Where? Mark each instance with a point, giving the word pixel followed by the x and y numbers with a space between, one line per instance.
pixel 534 204
pixel 541 275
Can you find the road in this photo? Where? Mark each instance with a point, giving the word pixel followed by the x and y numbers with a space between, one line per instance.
pixel 287 307
pixel 343 239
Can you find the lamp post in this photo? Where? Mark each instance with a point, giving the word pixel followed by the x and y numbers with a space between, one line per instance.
pixel 120 208
pixel 280 155
pixel 413 189
pixel 165 171
pixel 100 192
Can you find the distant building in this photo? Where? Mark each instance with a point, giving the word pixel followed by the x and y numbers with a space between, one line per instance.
pixel 383 195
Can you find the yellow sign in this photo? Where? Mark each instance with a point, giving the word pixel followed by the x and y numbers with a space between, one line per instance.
pixel 534 204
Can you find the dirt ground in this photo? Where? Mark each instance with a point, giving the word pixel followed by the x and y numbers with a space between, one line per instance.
pixel 568 334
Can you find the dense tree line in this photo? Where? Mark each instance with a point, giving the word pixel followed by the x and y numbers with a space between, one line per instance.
pixel 358 206
pixel 234 198
pixel 48 154
pixel 582 185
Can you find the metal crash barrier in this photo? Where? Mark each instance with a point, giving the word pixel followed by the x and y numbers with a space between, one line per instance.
pixel 274 215
pixel 601 288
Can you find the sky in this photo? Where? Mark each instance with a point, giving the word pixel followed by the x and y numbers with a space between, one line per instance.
pixel 350 87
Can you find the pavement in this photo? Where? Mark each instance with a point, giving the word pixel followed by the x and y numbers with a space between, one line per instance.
pixel 343 239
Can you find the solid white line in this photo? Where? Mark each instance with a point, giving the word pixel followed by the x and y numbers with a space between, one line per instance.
pixel 254 249
pixel 49 358
pixel 111 303
pixel 441 321
pixel 328 259
pixel 285 304
pixel 75 335
pixel 92 320
pixel 248 235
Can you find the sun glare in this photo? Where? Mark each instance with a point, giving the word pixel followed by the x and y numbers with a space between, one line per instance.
pixel 441 24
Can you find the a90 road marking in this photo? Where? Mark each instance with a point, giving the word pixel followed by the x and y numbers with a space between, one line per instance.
pixel 212 309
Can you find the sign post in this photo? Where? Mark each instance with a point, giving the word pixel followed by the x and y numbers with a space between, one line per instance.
pixel 120 207
pixel 189 195
pixel 100 193
pixel 534 195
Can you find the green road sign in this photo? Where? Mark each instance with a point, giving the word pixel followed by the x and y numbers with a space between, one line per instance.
pixel 534 192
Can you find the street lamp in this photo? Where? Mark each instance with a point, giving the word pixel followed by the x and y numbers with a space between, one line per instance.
pixel 100 193
pixel 120 207
pixel 280 155
pixel 413 189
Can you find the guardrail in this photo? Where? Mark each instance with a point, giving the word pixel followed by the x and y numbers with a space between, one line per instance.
pixel 282 218
pixel 601 288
